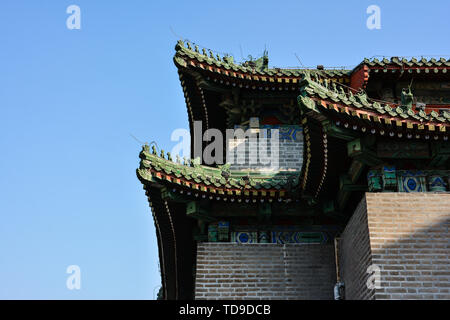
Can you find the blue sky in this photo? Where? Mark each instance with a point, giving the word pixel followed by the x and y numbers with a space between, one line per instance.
pixel 69 100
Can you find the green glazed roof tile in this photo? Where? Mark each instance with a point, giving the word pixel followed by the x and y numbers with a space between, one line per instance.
pixel 210 176
pixel 310 88
pixel 413 62
pixel 183 50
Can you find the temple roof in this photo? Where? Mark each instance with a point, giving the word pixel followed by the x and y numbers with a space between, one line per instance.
pixel 250 70
pixel 343 103
pixel 220 182
pixel 257 70
pixel 397 62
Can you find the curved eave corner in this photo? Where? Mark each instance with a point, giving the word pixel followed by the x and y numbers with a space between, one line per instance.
pixel 331 100
pixel 187 56
pixel 219 183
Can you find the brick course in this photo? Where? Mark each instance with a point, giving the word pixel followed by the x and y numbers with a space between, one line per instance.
pixel 265 271
pixel 290 155
pixel 355 256
pixel 407 236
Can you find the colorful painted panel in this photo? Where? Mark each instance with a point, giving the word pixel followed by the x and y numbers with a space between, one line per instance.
pixel 374 180
pixel 436 184
pixel 289 133
pixel 389 178
pixel 223 230
pixel 298 237
pixel 263 237
pixel 212 233
pixel 409 181
pixel 286 132
pixel 244 237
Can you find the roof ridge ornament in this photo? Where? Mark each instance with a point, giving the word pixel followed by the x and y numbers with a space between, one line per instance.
pixel 407 97
pixel 195 162
pixel 362 97
pixel 179 45
pixel 225 170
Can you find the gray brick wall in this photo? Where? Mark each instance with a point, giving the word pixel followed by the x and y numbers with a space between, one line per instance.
pixel 355 255
pixel 409 241
pixel 265 271
pixel 290 155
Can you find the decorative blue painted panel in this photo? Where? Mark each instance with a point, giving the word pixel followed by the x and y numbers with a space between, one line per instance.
pixel 290 133
pixel 244 237
pixel 436 184
pixel 263 237
pixel 283 237
pixel 223 229
pixel 411 181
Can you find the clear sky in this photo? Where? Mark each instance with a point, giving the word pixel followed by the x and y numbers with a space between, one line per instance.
pixel 69 100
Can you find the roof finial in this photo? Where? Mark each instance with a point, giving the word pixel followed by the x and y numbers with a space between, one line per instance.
pixel 180 44
pixel 333 86
pixel 407 97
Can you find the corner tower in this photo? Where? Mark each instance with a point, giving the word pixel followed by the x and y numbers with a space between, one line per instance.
pixel 242 230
